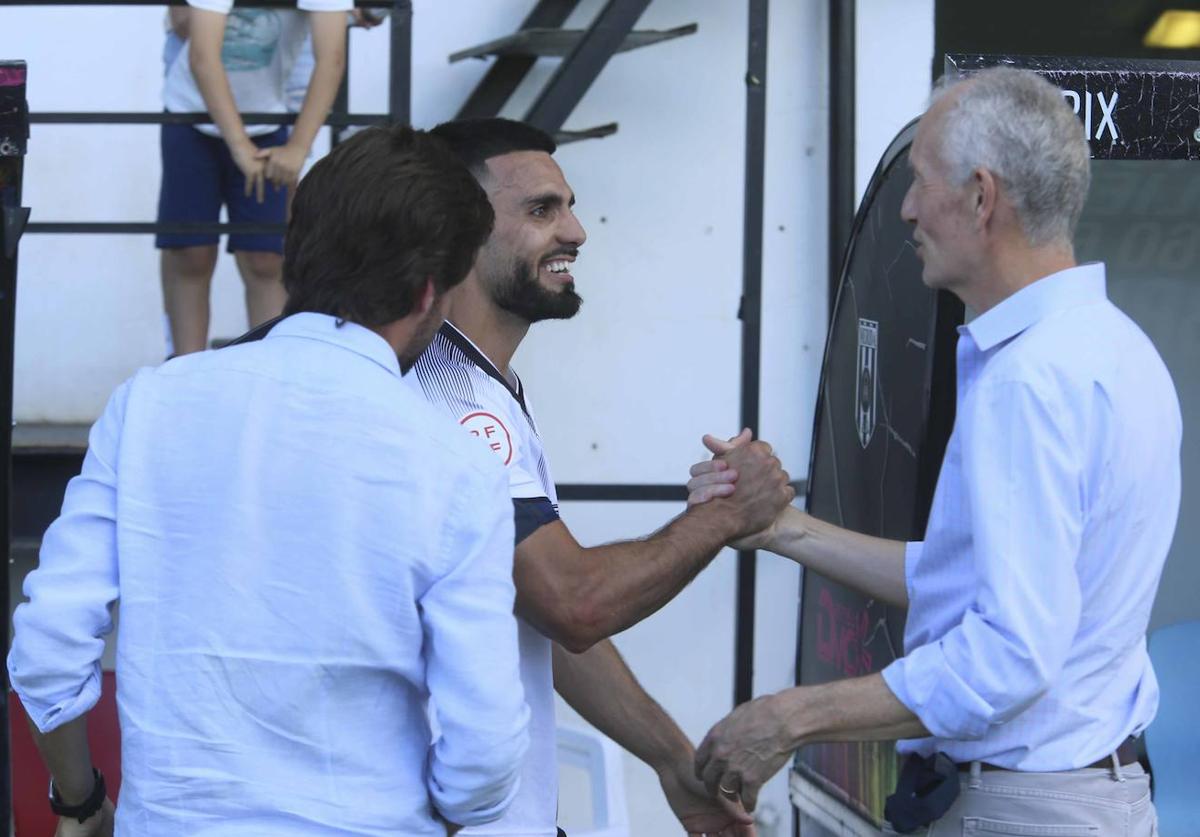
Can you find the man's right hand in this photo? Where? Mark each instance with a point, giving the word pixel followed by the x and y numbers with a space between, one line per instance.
pixel 246 157
pixel 716 478
pixel 762 487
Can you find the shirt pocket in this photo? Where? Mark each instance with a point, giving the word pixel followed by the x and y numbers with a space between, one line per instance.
pixel 984 827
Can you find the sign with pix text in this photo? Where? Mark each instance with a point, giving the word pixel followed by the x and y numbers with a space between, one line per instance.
pixel 1129 109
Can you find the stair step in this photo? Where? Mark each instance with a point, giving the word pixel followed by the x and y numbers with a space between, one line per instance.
pixel 545 42
pixel 564 136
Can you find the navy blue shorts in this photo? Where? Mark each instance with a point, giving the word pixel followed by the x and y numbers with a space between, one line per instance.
pixel 199 175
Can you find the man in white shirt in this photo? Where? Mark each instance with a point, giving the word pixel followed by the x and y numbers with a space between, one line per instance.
pixel 1026 668
pixel 238 61
pixel 307 555
pixel 570 599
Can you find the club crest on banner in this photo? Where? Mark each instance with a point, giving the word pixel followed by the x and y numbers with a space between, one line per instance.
pixel 868 373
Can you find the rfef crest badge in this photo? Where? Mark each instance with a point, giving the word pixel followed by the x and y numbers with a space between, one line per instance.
pixel 868 372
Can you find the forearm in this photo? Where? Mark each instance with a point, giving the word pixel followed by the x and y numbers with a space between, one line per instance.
pixel 68 759
pixel 874 566
pixel 858 709
pixel 612 587
pixel 328 70
pixel 218 97
pixel 600 687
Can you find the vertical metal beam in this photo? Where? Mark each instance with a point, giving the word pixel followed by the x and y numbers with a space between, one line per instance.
pixel 751 316
pixel 841 136
pixel 400 64
pixel 581 66
pixel 508 71
pixel 14 128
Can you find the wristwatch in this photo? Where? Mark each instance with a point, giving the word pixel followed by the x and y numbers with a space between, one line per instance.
pixel 84 809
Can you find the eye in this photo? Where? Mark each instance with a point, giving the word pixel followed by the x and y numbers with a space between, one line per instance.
pixel 538 211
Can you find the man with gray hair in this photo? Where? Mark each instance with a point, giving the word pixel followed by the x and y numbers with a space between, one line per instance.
pixel 1026 676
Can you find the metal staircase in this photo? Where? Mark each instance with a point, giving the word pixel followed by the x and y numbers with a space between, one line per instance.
pixel 584 53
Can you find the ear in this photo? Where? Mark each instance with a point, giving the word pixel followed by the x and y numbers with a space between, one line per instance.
pixel 426 297
pixel 985 193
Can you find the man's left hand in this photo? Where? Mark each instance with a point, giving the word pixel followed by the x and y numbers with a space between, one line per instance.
pixel 700 814
pixel 745 749
pixel 99 824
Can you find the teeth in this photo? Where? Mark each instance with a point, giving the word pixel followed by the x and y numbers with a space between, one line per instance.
pixel 558 267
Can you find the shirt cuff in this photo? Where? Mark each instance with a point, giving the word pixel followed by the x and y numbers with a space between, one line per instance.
pixel 912 554
pixel 46 715
pixel 934 692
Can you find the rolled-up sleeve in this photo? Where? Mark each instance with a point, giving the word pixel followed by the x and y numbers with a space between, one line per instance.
pixel 472 662
pixel 58 635
pixel 1023 468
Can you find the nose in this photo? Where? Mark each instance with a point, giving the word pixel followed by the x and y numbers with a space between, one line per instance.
pixel 571 232
pixel 908 208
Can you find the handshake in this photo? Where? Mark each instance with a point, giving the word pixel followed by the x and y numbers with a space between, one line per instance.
pixel 747 484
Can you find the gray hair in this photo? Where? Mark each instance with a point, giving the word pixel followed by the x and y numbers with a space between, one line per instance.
pixel 1018 126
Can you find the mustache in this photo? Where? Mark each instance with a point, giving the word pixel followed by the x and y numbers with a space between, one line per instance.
pixel 573 252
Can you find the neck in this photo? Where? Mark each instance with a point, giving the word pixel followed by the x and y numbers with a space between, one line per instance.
pixel 1014 268
pixel 495 331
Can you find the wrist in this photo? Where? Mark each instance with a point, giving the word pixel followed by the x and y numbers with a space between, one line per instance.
pixel 78 800
pixel 672 757
pixel 797 715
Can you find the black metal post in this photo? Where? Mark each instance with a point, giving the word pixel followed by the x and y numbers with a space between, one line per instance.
pixel 580 68
pixel 841 136
pixel 14 131
pixel 751 316
pixel 400 64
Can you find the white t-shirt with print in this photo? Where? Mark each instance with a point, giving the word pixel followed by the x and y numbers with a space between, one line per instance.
pixel 260 49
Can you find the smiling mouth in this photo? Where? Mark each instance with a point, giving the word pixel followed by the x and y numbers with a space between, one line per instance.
pixel 559 268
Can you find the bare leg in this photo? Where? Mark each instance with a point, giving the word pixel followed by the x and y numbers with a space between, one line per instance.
pixel 186 277
pixel 262 274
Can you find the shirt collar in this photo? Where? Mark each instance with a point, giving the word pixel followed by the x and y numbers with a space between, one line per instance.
pixel 1049 295
pixel 343 333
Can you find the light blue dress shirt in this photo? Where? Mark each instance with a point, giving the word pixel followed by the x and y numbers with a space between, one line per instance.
pixel 304 551
pixel 1053 514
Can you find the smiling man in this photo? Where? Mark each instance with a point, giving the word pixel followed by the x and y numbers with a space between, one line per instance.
pixel 570 599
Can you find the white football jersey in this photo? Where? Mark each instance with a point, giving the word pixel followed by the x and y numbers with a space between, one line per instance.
pixel 456 376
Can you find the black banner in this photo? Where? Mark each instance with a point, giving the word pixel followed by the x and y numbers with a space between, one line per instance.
pixel 1130 109
pixel 14 111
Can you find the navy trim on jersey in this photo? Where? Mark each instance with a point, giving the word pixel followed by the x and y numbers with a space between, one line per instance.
pixel 531 514
pixel 460 341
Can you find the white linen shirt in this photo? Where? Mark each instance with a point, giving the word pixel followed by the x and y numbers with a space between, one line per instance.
pixel 1051 521
pixel 304 552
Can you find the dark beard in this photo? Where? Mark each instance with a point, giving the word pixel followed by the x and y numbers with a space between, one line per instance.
pixel 522 294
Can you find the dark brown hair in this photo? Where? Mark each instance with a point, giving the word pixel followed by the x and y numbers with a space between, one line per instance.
pixel 474 141
pixel 384 211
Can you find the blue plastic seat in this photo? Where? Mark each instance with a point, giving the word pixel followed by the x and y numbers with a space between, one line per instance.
pixel 1173 739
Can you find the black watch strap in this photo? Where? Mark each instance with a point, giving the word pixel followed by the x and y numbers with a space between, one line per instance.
pixel 84 809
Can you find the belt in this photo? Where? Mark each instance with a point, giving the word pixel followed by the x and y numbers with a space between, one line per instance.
pixel 1126 755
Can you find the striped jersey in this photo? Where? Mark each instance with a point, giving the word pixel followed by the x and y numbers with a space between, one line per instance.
pixel 457 377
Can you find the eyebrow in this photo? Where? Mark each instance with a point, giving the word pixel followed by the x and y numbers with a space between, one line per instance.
pixel 548 199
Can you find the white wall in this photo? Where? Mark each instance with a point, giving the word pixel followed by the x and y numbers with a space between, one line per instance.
pixel 626 389
pixel 895 57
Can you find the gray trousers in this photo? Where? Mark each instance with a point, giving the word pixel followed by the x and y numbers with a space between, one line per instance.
pixel 1108 802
